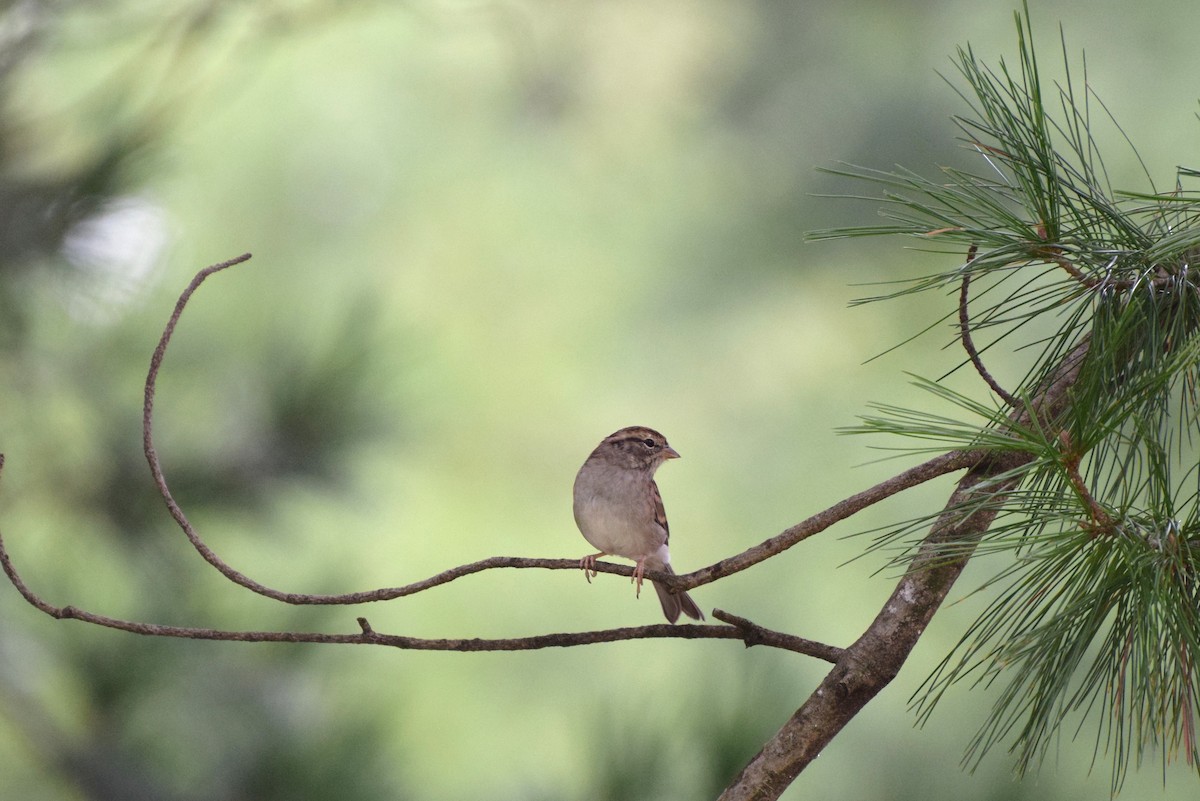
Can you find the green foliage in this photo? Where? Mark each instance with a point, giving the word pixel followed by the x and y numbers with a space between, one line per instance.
pixel 1095 613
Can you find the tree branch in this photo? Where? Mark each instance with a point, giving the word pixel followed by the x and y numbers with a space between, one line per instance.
pixel 754 634
pixel 919 474
pixel 869 665
pixel 859 673
pixel 740 629
pixel 933 468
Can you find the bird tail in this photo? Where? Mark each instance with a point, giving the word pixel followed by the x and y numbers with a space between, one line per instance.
pixel 673 603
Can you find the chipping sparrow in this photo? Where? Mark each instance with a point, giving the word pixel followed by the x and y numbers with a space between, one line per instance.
pixel 619 510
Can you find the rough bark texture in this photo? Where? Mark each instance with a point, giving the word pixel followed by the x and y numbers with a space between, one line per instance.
pixel 876 657
pixel 867 666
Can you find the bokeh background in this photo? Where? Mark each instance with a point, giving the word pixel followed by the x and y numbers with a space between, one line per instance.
pixel 485 235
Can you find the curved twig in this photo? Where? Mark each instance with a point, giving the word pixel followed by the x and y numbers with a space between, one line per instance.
pixel 739 628
pixel 964 326
pixel 933 468
pixel 148 429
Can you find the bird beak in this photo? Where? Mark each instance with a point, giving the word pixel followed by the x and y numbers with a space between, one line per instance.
pixel 670 453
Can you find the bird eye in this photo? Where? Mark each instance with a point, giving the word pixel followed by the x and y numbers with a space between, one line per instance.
pixel 649 442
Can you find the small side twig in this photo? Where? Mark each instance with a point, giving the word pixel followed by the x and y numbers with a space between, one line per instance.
pixel 1099 520
pixel 754 634
pixel 964 325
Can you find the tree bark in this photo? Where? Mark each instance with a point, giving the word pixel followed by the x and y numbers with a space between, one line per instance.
pixel 877 656
pixel 869 665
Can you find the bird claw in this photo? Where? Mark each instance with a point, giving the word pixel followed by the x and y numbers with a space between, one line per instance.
pixel 588 564
pixel 637 577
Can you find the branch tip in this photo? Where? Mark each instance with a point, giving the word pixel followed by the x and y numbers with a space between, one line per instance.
pixel 964 325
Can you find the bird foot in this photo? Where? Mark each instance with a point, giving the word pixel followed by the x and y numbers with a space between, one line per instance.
pixel 588 564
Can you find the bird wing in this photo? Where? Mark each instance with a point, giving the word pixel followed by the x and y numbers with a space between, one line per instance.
pixel 660 513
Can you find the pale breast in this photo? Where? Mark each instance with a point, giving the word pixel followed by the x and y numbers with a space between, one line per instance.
pixel 616 515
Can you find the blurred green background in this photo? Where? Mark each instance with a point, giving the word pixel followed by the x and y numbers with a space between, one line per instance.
pixel 485 236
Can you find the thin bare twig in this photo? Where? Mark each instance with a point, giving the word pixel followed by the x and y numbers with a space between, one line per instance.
pixel 148 428
pixel 819 522
pixel 964 325
pixel 754 634
pixel 741 629
pixel 859 672
pixel 919 474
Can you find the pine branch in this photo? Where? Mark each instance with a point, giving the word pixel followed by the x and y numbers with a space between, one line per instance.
pixel 1103 530
pixel 876 657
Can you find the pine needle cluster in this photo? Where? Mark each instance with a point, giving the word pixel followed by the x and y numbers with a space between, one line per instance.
pixel 1094 621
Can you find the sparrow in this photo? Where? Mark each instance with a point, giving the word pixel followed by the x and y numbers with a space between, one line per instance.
pixel 619 510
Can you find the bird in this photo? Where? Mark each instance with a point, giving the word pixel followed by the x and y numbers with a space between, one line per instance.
pixel 619 510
